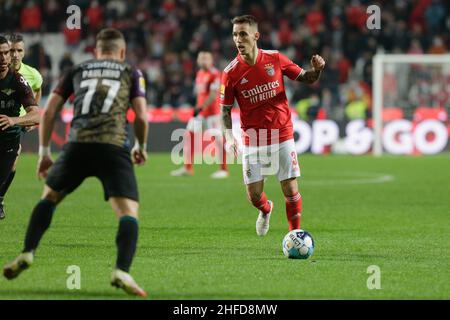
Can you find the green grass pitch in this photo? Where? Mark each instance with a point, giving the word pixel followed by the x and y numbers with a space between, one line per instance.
pixel 197 235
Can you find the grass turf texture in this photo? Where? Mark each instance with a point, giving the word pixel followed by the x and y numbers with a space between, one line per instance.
pixel 197 235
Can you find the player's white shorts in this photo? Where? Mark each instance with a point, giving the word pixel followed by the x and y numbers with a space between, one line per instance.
pixel 212 123
pixel 276 159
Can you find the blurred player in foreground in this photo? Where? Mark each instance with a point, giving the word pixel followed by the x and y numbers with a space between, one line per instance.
pixel 206 114
pixel 98 146
pixel 255 79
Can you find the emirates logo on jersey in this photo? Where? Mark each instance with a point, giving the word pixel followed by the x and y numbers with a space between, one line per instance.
pixel 260 89
pixel 262 92
pixel 269 69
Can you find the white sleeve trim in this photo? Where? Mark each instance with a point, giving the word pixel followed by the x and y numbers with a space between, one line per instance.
pixel 301 74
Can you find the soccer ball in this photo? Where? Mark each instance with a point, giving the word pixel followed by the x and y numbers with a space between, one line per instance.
pixel 298 244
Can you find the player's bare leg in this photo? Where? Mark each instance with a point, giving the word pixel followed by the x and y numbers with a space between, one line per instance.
pixel 293 202
pixel 127 213
pixel 256 195
pixel 40 220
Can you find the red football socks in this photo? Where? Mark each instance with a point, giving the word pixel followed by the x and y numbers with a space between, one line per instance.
pixel 223 164
pixel 262 204
pixel 294 211
pixel 188 150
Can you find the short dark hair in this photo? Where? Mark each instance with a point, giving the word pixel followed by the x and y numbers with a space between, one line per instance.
pixel 107 39
pixel 251 20
pixel 15 38
pixel 3 40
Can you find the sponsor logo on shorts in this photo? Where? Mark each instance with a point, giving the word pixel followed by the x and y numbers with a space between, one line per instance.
pixel 294 160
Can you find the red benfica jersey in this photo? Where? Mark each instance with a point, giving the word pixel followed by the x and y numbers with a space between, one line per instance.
pixel 205 81
pixel 260 93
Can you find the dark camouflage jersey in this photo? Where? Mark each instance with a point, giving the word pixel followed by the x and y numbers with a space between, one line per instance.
pixel 103 90
pixel 14 92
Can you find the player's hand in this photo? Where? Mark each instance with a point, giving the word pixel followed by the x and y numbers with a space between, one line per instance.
pixel 232 146
pixel 6 122
pixel 44 163
pixel 317 62
pixel 139 156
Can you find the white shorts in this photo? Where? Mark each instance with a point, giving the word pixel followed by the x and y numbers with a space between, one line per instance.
pixel 211 123
pixel 276 159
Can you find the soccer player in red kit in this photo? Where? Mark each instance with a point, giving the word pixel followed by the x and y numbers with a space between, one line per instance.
pixel 206 114
pixel 255 80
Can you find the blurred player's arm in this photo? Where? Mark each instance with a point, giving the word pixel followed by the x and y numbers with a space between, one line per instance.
pixel 30 119
pixel 312 75
pixel 38 88
pixel 54 105
pixel 38 95
pixel 226 119
pixel 211 97
pixel 226 104
pixel 37 92
pixel 139 152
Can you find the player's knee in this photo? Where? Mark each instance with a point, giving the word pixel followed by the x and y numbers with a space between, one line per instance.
pixel 253 196
pixel 124 207
pixel 52 198
pixel 290 187
pixel 51 195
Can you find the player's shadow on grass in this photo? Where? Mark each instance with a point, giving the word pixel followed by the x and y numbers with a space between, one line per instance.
pixel 53 294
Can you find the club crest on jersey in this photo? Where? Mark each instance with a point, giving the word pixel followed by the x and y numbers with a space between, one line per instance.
pixel 269 69
pixel 8 91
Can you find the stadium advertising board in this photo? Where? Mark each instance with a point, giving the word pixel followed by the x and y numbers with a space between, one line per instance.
pixel 401 137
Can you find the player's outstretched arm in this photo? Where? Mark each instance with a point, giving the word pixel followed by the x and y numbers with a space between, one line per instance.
pixel 54 104
pixel 311 76
pixel 139 152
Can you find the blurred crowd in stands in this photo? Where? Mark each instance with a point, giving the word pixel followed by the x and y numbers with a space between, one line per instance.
pixel 164 37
